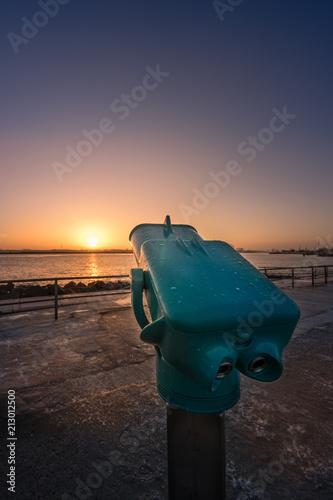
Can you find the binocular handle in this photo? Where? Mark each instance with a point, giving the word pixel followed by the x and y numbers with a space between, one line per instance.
pixel 137 287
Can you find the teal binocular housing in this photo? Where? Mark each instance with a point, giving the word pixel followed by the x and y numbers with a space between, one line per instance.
pixel 213 315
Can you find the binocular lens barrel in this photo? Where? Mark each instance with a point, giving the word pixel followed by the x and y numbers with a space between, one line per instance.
pixel 224 369
pixel 258 364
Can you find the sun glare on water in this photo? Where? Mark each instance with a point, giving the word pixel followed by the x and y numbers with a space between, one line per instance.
pixel 92 241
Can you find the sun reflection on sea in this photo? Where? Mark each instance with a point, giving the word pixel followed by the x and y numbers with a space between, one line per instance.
pixel 93 266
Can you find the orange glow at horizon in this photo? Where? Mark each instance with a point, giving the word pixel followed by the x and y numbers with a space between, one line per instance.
pixel 245 214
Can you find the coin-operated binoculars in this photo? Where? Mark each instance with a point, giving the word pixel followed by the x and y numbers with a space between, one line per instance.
pixel 213 315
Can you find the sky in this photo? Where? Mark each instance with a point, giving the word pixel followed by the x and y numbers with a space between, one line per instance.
pixel 119 113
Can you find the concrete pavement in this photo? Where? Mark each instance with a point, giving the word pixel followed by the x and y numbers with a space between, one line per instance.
pixel 90 424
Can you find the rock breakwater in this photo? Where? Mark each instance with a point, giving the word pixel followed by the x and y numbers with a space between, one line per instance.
pixel 15 291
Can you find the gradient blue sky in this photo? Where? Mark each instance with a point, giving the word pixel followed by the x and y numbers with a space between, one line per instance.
pixel 225 78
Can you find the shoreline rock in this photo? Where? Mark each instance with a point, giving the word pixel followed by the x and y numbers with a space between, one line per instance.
pixel 17 291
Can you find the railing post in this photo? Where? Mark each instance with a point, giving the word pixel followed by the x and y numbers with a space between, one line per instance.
pixel 293 277
pixel 55 299
pixel 312 275
pixel 325 271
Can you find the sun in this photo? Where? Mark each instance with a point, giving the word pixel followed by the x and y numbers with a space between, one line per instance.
pixel 92 241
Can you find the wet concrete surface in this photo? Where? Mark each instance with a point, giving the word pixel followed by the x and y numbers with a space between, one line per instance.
pixel 90 424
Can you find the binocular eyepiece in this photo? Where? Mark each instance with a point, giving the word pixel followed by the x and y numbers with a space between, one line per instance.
pixel 257 365
pixel 213 316
pixel 224 369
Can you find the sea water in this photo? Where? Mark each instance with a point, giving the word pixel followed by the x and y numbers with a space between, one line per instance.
pixel 36 266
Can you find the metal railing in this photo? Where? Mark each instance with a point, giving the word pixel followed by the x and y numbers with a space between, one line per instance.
pixel 55 297
pixel 301 273
pixel 312 274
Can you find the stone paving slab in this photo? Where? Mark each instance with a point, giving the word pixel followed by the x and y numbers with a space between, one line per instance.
pixel 90 424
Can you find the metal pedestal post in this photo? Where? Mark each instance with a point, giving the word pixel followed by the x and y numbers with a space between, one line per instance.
pixel 196 455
